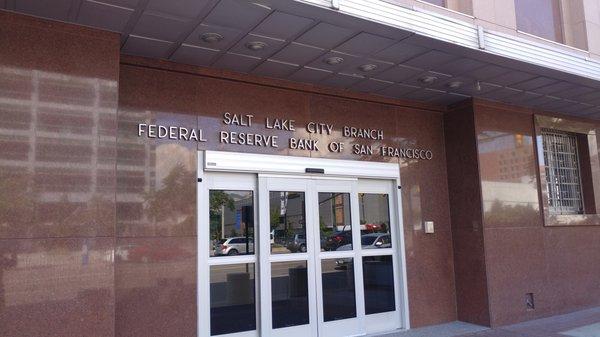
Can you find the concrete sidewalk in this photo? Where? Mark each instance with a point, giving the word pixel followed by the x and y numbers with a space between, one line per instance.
pixel 584 323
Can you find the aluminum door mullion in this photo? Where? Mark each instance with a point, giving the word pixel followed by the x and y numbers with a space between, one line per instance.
pixel 263 252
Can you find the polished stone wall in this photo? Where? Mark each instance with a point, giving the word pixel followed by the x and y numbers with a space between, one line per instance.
pixel 58 114
pixel 176 95
pixel 98 228
pixel 559 265
pixel 466 217
pixel 504 247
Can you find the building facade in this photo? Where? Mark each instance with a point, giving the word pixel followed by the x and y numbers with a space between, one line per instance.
pixel 197 168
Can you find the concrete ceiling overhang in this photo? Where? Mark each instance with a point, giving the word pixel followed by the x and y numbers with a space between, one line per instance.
pixel 364 46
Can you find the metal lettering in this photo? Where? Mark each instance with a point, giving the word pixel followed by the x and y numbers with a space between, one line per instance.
pixel 365 133
pixel 227 118
pixel 257 139
pixel 362 149
pixel 346 131
pixel 141 128
pixel 162 131
pixel 320 128
pixel 249 139
pixel 280 124
pixel 335 147
pixel 304 144
pixel 387 151
pixel 224 137
pixel 170 132
pixel 183 132
pixel 152 131
pixel 173 132
pixel 235 119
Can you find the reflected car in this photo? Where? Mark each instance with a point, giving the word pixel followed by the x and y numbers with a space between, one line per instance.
pixel 372 241
pixel 234 246
pixel 373 228
pixel 278 237
pixel 155 252
pixel 297 243
pixel 338 239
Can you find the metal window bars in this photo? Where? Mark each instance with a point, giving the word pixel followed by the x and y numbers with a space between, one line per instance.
pixel 562 172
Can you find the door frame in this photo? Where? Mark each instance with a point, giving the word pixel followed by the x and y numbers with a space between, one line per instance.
pixel 348 326
pixel 266 258
pixel 289 167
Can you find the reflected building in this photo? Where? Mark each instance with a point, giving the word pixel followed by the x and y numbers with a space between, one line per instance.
pixel 506 166
pixel 505 157
pixel 57 135
pixel 343 165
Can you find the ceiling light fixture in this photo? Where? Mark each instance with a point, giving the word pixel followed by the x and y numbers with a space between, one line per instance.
pixel 334 60
pixel 428 79
pixel 368 67
pixel 256 45
pixel 455 84
pixel 211 37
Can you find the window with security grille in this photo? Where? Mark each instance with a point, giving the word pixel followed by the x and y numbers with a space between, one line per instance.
pixel 563 175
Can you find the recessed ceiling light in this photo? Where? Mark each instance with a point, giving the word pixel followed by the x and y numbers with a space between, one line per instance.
pixel 211 37
pixel 428 79
pixel 455 84
pixel 333 60
pixel 368 67
pixel 256 45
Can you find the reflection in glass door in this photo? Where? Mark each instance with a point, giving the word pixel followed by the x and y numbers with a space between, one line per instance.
pixel 287 271
pixel 336 225
pixel 379 265
pixel 226 255
pixel 297 256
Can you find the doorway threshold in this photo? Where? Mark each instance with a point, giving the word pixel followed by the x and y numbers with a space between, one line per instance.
pixel 451 329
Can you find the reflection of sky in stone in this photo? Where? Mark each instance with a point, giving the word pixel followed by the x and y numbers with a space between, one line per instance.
pixel 171 154
pixel 492 141
pixel 540 150
pixel 179 120
pixel 405 142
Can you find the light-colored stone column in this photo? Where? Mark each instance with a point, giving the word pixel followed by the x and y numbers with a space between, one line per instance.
pixel 462 6
pixel 591 11
pixel 573 20
pixel 496 12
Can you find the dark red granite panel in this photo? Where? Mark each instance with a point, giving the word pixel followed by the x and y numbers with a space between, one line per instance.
pixel 57 287
pixel 465 209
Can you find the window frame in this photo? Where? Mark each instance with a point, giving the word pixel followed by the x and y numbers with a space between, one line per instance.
pixel 559 26
pixel 589 186
pixel 557 203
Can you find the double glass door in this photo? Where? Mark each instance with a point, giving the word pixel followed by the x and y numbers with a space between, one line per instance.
pixel 299 256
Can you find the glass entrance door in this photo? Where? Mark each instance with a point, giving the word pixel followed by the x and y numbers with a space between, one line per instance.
pixel 329 266
pixel 337 234
pixel 227 256
pixel 288 293
pixel 298 256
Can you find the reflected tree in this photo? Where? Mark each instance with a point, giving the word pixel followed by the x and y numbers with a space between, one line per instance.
pixel 175 201
pixel 65 217
pixel 217 201
pixel 507 215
